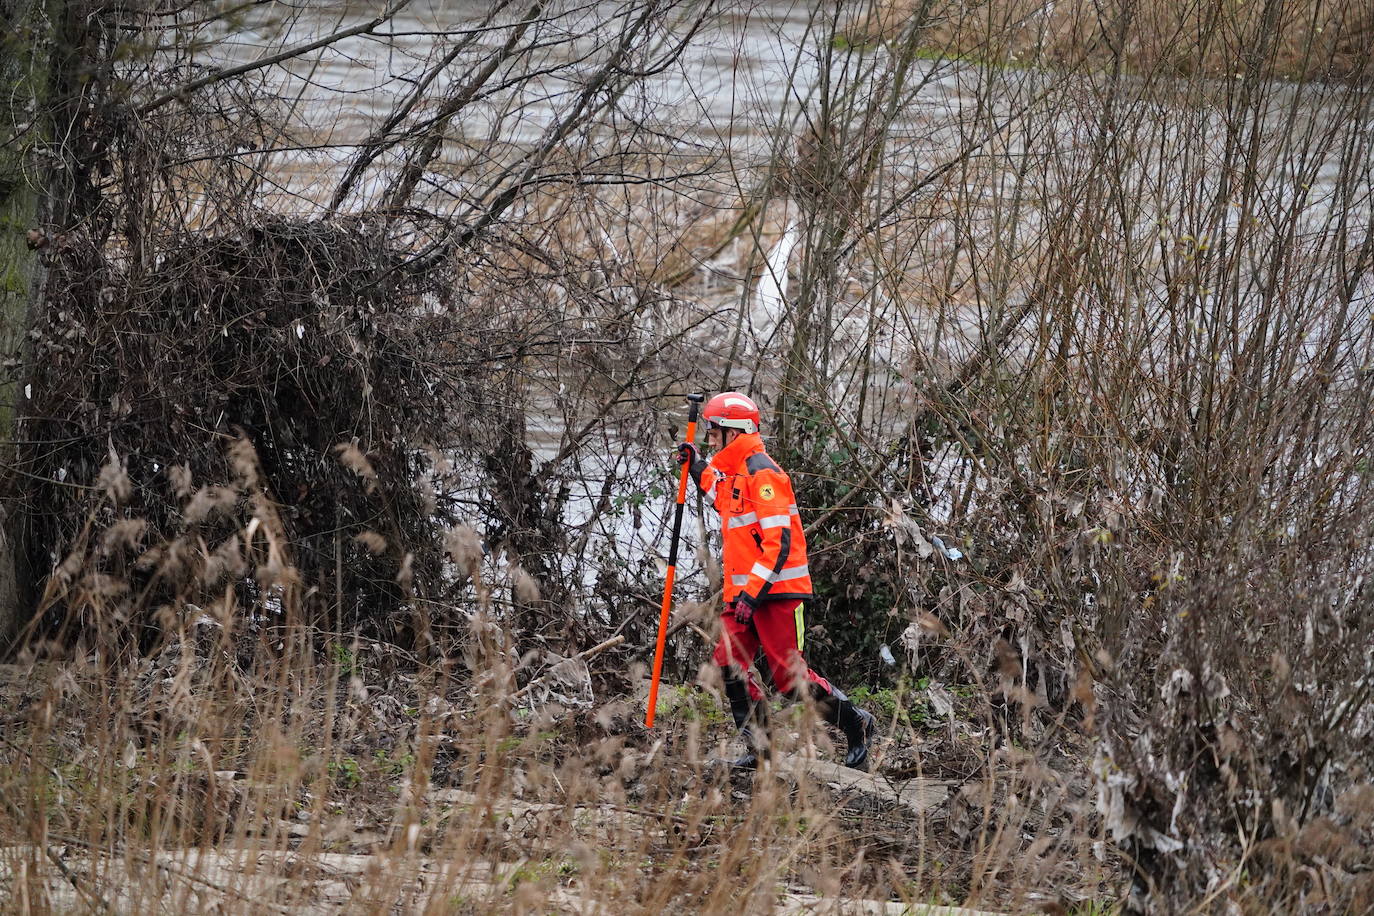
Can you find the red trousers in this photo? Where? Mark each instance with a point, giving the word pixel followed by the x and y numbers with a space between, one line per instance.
pixel 778 629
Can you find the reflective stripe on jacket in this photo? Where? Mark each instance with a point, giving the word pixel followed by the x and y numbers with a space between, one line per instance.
pixel 764 546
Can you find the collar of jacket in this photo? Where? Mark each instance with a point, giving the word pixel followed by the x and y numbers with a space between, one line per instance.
pixel 731 459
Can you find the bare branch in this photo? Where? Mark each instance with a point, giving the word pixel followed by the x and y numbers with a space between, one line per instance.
pixel 305 48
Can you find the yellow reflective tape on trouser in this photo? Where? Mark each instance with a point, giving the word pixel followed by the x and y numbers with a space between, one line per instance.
pixel 801 626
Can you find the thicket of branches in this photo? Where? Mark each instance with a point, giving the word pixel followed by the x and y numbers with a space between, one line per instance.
pixel 379 363
pixel 302 345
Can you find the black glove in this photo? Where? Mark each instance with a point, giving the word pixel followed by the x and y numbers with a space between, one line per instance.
pixel 687 454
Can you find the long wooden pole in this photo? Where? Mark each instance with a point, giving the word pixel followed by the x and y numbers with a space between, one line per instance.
pixel 694 400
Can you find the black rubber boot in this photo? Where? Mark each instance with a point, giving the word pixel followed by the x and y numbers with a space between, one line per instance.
pixel 859 726
pixel 750 718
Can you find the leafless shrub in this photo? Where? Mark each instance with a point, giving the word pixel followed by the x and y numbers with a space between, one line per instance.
pixel 1137 419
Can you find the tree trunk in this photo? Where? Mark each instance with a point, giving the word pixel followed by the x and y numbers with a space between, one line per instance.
pixel 25 53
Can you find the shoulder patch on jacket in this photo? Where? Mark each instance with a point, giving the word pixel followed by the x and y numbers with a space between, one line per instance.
pixel 759 461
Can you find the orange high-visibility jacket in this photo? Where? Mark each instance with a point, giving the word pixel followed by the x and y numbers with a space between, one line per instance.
pixel 764 546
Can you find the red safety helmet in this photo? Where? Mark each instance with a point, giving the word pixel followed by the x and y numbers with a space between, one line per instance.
pixel 732 410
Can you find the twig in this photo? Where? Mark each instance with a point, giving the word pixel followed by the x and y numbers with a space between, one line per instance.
pixel 297 51
pixel 223 889
pixel 583 656
pixel 745 219
pixel 72 877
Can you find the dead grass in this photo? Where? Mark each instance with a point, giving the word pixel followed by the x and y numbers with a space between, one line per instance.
pixel 1322 40
pixel 333 774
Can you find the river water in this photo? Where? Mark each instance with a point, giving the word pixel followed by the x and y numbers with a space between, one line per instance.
pixel 749 71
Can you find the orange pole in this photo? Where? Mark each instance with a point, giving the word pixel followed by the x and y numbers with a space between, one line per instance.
pixel 663 612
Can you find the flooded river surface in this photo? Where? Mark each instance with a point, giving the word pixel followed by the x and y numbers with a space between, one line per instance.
pixel 741 87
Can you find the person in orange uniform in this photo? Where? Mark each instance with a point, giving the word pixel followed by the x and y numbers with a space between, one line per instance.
pixel 766 580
